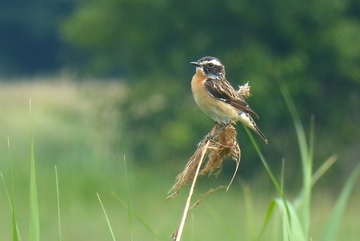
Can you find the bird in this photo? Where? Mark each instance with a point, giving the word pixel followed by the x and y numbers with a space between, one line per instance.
pixel 217 98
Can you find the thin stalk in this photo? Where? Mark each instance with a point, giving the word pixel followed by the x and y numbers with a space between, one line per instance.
pixel 177 235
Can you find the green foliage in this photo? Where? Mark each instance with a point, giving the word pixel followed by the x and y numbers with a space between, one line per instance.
pixel 296 215
pixel 304 40
pixel 30 43
pixel 312 46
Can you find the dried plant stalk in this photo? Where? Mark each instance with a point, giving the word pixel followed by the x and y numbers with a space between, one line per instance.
pixel 216 149
pixel 219 144
pixel 216 146
pixel 203 196
pixel 178 233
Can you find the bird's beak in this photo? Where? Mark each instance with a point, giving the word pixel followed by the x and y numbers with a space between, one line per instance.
pixel 195 63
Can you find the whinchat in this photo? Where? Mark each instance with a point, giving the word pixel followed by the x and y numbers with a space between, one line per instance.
pixel 217 98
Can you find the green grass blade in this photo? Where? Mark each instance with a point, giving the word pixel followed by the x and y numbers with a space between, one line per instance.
pixel 333 225
pixel 291 230
pixel 282 176
pixel 306 153
pixel 295 116
pixel 34 223
pixel 263 160
pixel 323 168
pixel 311 142
pixel 15 228
pixel 16 233
pixel 138 217
pixel 272 177
pixel 106 217
pixel 129 203
pixel 269 214
pixel 58 202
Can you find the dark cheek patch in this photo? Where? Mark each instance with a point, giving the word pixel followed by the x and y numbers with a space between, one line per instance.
pixel 214 70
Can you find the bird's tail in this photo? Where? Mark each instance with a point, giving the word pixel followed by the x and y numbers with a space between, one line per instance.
pixel 248 121
pixel 258 131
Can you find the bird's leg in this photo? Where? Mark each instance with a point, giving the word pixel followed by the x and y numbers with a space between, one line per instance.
pixel 209 137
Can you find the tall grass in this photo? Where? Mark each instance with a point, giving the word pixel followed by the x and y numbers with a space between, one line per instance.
pixel 58 202
pixel 34 222
pixel 295 216
pixel 107 218
pixel 11 198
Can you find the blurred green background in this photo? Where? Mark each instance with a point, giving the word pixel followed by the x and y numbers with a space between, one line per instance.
pixel 111 78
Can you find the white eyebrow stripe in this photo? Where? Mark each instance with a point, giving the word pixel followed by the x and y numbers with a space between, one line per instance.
pixel 214 62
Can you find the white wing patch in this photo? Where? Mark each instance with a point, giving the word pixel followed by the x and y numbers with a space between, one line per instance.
pixel 247 120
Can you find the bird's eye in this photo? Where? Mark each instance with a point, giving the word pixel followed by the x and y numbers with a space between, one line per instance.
pixel 211 65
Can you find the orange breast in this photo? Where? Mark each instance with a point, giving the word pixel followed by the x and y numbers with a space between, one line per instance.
pixel 218 110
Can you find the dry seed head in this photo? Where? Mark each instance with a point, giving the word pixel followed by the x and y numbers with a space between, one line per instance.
pixel 244 90
pixel 219 147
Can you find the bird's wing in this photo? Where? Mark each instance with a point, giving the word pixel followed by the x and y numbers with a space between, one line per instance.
pixel 222 90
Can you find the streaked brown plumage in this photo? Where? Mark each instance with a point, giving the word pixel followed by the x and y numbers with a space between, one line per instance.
pixel 217 98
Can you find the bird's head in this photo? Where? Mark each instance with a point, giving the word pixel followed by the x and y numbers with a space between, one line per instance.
pixel 211 67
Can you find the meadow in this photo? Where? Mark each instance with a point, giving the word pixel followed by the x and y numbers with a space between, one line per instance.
pixel 75 128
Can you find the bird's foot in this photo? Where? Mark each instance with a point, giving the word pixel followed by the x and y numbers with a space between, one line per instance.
pixel 211 136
